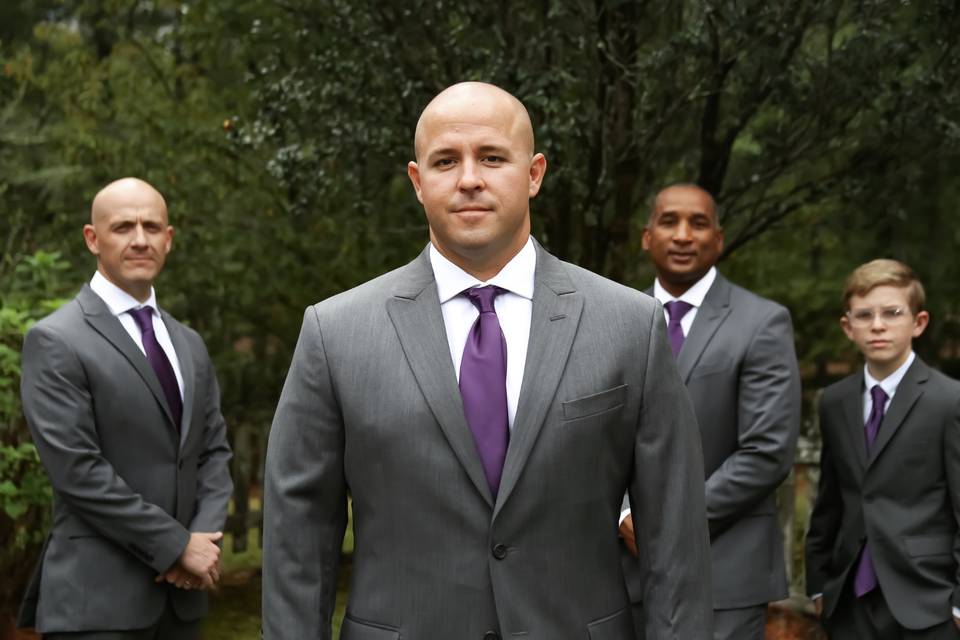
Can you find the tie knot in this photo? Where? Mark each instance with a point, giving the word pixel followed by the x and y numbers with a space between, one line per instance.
pixel 482 297
pixel 144 318
pixel 677 309
pixel 879 396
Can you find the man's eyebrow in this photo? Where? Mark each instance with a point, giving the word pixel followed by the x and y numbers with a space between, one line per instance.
pixel 442 151
pixel 496 148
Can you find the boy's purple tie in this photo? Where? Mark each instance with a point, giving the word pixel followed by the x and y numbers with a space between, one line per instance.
pixel 676 309
pixel 865 579
pixel 483 385
pixel 160 363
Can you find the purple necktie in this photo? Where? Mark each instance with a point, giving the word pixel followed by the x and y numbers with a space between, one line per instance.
pixel 483 385
pixel 676 309
pixel 159 361
pixel 865 579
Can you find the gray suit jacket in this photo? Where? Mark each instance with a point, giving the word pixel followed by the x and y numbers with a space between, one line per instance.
pixel 904 497
pixel 127 493
pixel 371 408
pixel 740 368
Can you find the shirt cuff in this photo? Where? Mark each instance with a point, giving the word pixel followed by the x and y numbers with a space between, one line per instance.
pixel 816 596
pixel 623 516
pixel 956 612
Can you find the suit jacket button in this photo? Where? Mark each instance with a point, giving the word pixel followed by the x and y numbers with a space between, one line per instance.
pixel 180 465
pixel 491 635
pixel 499 552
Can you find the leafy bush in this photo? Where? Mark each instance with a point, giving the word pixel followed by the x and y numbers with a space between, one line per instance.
pixel 25 495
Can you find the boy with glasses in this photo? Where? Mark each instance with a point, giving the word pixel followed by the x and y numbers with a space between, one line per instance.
pixel 882 550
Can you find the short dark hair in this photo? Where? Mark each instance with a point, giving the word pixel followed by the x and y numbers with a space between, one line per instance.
pixel 652 205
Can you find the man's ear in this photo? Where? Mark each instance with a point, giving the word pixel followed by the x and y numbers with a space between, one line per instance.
pixel 413 172
pixel 90 237
pixel 920 323
pixel 538 169
pixel 169 243
pixel 845 325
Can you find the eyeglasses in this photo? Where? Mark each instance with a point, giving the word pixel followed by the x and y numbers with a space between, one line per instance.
pixel 889 315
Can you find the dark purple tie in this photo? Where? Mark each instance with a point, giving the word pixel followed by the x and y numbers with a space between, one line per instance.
pixel 676 309
pixel 483 385
pixel 865 579
pixel 159 361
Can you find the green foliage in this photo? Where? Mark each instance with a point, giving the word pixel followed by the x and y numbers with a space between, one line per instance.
pixel 32 292
pixel 807 119
pixel 22 487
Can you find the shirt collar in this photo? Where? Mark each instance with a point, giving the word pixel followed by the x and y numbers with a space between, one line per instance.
pixel 517 276
pixel 892 381
pixel 694 295
pixel 118 300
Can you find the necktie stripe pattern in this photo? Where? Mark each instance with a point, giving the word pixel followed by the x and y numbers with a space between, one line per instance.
pixel 159 362
pixel 865 578
pixel 676 309
pixel 483 384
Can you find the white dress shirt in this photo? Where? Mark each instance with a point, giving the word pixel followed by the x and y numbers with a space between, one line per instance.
pixel 120 302
pixel 514 308
pixel 693 296
pixel 888 384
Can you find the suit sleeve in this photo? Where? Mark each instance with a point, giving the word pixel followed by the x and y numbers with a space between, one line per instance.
pixel 824 520
pixel 305 497
pixel 768 410
pixel 59 410
pixel 666 496
pixel 951 452
pixel 214 485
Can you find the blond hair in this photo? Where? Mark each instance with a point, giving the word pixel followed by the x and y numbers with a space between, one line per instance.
pixel 884 272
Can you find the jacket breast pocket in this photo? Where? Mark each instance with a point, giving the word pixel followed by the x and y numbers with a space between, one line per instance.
pixel 595 403
pixel 711 368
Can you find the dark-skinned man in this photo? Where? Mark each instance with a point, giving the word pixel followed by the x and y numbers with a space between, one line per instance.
pixel 735 353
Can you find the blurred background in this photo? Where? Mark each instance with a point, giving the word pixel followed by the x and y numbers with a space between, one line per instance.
pixel 279 132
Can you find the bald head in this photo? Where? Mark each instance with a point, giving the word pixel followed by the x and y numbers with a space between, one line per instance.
pixel 126 193
pixel 130 235
pixel 475 174
pixel 467 102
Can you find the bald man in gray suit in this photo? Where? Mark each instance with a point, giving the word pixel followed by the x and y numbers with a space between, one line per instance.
pixel 123 406
pixel 485 407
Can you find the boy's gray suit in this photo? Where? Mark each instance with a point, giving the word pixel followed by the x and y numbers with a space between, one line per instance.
pixel 127 493
pixel 904 496
pixel 371 409
pixel 740 368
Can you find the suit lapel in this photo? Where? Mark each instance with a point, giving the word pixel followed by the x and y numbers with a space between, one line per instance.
pixel 710 315
pixel 106 324
pixel 908 392
pixel 415 312
pixel 853 418
pixel 185 360
pixel 553 325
